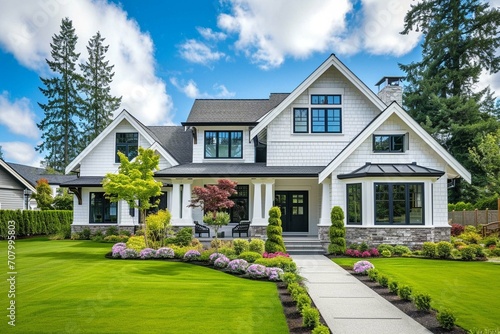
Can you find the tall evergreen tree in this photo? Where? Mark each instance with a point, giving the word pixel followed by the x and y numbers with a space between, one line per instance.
pixel 460 42
pixel 1 153
pixel 99 104
pixel 60 133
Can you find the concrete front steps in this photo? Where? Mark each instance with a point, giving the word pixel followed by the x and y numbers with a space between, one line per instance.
pixel 296 245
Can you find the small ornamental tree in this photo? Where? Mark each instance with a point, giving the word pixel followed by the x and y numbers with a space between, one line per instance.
pixel 337 232
pixel 212 199
pixel 43 195
pixel 274 242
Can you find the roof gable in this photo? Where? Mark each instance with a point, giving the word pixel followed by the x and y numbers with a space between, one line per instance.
pixel 394 109
pixel 331 61
pixel 17 176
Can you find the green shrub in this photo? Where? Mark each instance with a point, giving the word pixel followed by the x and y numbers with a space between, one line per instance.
pixel 227 251
pixel 250 256
pixel 97 237
pixel 404 292
pixel 137 243
pixel 36 222
pixel 479 250
pixel 274 242
pixel 293 286
pixel 75 236
pixel 422 301
pixel 125 232
pixel 310 317
pixel 303 300
pixel 470 237
pixel 158 227
pixel 383 281
pixel 257 246
pixel 429 249
pixel 393 287
pixel 205 255
pixel 446 319
pixel 282 262
pixel 490 241
pixel 85 234
pixel 337 232
pixel 321 329
pixel 461 206
pixel 383 247
pixel 470 229
pixel 291 278
pixel 443 249
pixel 363 247
pixel 297 291
pixel 373 274
pixel 182 238
pixel 241 245
pixel 455 254
pixel 386 253
pixel 115 238
pixel 495 252
pixel 112 230
pixel 400 250
pixel 353 246
pixel 468 253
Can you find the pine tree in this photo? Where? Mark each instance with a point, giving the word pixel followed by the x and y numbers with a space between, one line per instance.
pixel 1 153
pixel 60 133
pixel 99 105
pixel 460 42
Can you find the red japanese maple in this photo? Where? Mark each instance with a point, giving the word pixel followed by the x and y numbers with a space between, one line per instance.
pixel 212 198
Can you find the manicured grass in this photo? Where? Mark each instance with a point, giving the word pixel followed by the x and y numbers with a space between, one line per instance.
pixel 68 286
pixel 469 289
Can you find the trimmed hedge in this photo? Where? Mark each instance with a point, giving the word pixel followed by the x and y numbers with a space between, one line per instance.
pixel 34 222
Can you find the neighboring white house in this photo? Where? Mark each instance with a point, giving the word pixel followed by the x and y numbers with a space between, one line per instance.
pixel 331 141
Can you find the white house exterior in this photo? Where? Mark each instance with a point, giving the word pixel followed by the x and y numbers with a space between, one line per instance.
pixel 331 141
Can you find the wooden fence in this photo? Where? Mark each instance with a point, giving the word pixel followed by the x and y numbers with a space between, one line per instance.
pixel 475 217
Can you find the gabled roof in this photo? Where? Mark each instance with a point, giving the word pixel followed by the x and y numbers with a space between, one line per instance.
pixel 233 111
pixel 331 61
pixel 16 175
pixel 33 174
pixel 395 109
pixel 177 141
pixel 141 128
pixel 378 170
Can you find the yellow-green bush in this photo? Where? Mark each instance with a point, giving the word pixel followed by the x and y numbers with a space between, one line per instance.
pixel 137 243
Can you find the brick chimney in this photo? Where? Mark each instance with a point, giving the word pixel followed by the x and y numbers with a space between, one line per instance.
pixel 390 89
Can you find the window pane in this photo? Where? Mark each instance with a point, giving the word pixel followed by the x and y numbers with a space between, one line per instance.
pixel 381 203
pixel 354 204
pixel 236 144
pixel 381 143
pixel 300 120
pixel 223 145
pixel 333 120
pixel 210 144
pixel 326 99
pixel 398 143
pixel 318 120
pixel 399 204
pixel 416 193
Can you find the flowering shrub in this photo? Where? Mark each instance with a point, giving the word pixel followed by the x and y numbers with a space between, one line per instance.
pixel 274 274
pixel 215 256
pixel 128 253
pixel 361 267
pixel 221 262
pixel 271 255
pixel 237 266
pixel 191 255
pixel 374 252
pixel 147 253
pixel 366 253
pixel 117 248
pixel 257 271
pixel 165 253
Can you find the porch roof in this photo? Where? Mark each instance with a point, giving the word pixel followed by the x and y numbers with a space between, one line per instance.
pixel 407 170
pixel 84 181
pixel 239 170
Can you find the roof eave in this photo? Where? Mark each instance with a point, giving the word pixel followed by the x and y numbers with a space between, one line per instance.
pixel 219 123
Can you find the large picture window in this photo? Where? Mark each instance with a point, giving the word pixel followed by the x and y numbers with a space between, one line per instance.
pixel 224 144
pixel 399 203
pixel 102 210
pixel 326 120
pixel 354 204
pixel 389 143
pixel 128 144
pixel 239 211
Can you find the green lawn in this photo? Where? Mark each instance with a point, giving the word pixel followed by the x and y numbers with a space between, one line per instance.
pixel 69 287
pixel 470 290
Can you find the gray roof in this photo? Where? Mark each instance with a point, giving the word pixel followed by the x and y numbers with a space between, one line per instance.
pixel 176 140
pixel 84 181
pixel 232 110
pixel 392 170
pixel 239 169
pixel 33 174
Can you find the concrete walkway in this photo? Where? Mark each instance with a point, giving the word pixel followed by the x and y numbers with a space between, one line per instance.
pixel 347 305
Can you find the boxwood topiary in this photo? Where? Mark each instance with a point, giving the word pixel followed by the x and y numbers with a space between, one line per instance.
pixel 274 242
pixel 446 319
pixel 337 232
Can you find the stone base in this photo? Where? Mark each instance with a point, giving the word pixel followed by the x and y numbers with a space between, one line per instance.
pixel 258 231
pixel 102 227
pixel 412 237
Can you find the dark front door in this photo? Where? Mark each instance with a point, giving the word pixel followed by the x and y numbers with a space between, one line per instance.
pixel 294 210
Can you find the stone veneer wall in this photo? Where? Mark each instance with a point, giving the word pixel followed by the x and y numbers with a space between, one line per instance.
pixel 374 236
pixel 102 228
pixel 258 231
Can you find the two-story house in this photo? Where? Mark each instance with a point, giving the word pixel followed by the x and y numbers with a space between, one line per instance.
pixel 331 141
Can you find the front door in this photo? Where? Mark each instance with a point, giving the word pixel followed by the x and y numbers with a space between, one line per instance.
pixel 294 210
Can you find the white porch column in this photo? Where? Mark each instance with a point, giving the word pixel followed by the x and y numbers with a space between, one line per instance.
pixel 187 213
pixel 176 202
pixel 257 218
pixel 325 203
pixel 268 204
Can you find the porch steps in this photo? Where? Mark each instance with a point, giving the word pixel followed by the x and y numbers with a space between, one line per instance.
pixel 303 246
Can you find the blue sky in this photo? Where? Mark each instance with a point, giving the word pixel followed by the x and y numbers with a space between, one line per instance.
pixel 168 53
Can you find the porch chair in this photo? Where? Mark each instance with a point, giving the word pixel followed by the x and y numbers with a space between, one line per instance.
pixel 200 229
pixel 242 227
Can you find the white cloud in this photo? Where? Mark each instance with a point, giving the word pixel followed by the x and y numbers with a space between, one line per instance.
pixel 27 27
pixel 209 34
pixel 20 152
pixel 199 52
pixel 269 31
pixel 190 89
pixel 17 116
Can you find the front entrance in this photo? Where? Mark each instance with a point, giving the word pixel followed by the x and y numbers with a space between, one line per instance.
pixel 294 210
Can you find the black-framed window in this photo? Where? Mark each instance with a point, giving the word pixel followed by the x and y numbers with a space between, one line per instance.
pixel 326 120
pixel 102 210
pixel 399 204
pixel 128 144
pixel 224 144
pixel 326 99
pixel 390 143
pixel 300 120
pixel 239 211
pixel 354 204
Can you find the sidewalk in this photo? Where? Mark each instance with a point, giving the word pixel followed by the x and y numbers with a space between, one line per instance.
pixel 347 305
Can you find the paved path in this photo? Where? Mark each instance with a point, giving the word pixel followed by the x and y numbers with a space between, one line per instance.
pixel 347 305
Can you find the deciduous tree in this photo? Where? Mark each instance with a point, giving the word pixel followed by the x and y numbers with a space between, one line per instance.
pixel 43 195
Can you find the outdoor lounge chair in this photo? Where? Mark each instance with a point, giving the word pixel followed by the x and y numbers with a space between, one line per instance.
pixel 200 229
pixel 242 227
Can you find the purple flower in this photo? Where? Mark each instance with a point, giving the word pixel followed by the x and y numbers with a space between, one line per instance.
pixel 374 252
pixel 147 253
pixel 257 271
pixel 118 245
pixel 237 266
pixel 164 253
pixel 129 253
pixel 192 255
pixel 214 256
pixel 274 274
pixel 361 267
pixel 221 262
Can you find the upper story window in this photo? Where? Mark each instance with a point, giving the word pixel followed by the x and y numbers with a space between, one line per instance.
pixel 326 99
pixel 326 120
pixel 390 143
pixel 300 120
pixel 128 144
pixel 224 144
